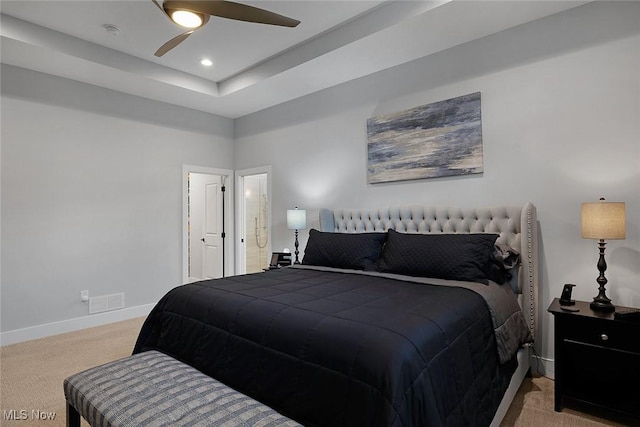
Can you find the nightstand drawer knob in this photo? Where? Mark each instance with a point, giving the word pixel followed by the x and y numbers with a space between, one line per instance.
pixel 604 337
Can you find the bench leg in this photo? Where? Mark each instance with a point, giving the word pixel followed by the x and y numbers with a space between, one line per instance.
pixel 73 417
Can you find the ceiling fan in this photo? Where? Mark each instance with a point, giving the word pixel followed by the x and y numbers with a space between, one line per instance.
pixel 193 14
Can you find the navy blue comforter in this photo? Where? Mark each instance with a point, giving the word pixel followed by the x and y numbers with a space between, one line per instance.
pixel 336 349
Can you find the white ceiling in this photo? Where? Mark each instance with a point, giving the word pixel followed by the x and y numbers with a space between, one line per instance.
pixel 255 66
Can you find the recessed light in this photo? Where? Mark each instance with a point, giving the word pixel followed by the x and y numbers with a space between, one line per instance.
pixel 206 62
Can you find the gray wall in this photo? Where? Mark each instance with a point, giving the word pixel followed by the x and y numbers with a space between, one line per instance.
pixel 561 126
pixel 92 194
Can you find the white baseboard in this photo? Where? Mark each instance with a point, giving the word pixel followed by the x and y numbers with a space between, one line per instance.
pixel 543 366
pixel 70 325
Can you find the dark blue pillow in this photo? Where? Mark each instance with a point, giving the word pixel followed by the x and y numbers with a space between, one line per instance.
pixel 355 251
pixel 466 257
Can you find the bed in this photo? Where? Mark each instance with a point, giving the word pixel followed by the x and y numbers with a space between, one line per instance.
pixel 402 316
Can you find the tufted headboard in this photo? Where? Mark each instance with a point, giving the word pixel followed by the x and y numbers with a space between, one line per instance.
pixel 516 226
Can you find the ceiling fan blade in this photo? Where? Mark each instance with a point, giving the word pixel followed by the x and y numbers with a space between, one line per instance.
pixel 158 4
pixel 172 43
pixel 232 10
pixel 160 7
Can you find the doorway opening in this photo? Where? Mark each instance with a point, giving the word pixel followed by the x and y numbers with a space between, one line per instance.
pixel 254 220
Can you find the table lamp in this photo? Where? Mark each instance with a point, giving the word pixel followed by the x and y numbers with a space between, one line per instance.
pixel 296 220
pixel 603 221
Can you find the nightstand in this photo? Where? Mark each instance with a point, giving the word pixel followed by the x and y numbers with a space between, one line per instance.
pixel 597 360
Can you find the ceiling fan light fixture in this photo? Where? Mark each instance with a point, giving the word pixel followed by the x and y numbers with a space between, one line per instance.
pixel 187 19
pixel 193 14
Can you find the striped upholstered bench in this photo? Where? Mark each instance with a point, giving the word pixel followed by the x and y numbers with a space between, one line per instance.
pixel 153 389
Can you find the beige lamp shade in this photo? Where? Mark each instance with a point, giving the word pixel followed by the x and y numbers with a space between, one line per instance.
pixel 296 219
pixel 603 220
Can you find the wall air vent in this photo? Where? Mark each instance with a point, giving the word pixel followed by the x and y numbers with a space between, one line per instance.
pixel 106 303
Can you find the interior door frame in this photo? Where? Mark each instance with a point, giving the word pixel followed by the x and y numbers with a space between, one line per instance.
pixel 240 258
pixel 229 215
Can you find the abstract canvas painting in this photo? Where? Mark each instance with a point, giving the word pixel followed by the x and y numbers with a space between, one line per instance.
pixel 434 140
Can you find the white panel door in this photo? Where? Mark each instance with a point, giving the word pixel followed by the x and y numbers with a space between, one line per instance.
pixel 212 232
pixel 205 226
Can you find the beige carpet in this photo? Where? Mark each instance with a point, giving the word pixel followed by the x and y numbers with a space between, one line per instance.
pixel 32 374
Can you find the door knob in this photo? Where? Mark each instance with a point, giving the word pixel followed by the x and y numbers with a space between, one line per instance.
pixel 202 239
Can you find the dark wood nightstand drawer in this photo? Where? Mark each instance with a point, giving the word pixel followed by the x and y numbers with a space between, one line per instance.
pixel 601 332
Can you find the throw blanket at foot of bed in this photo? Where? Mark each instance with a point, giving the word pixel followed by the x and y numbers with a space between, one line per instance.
pixel 153 389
